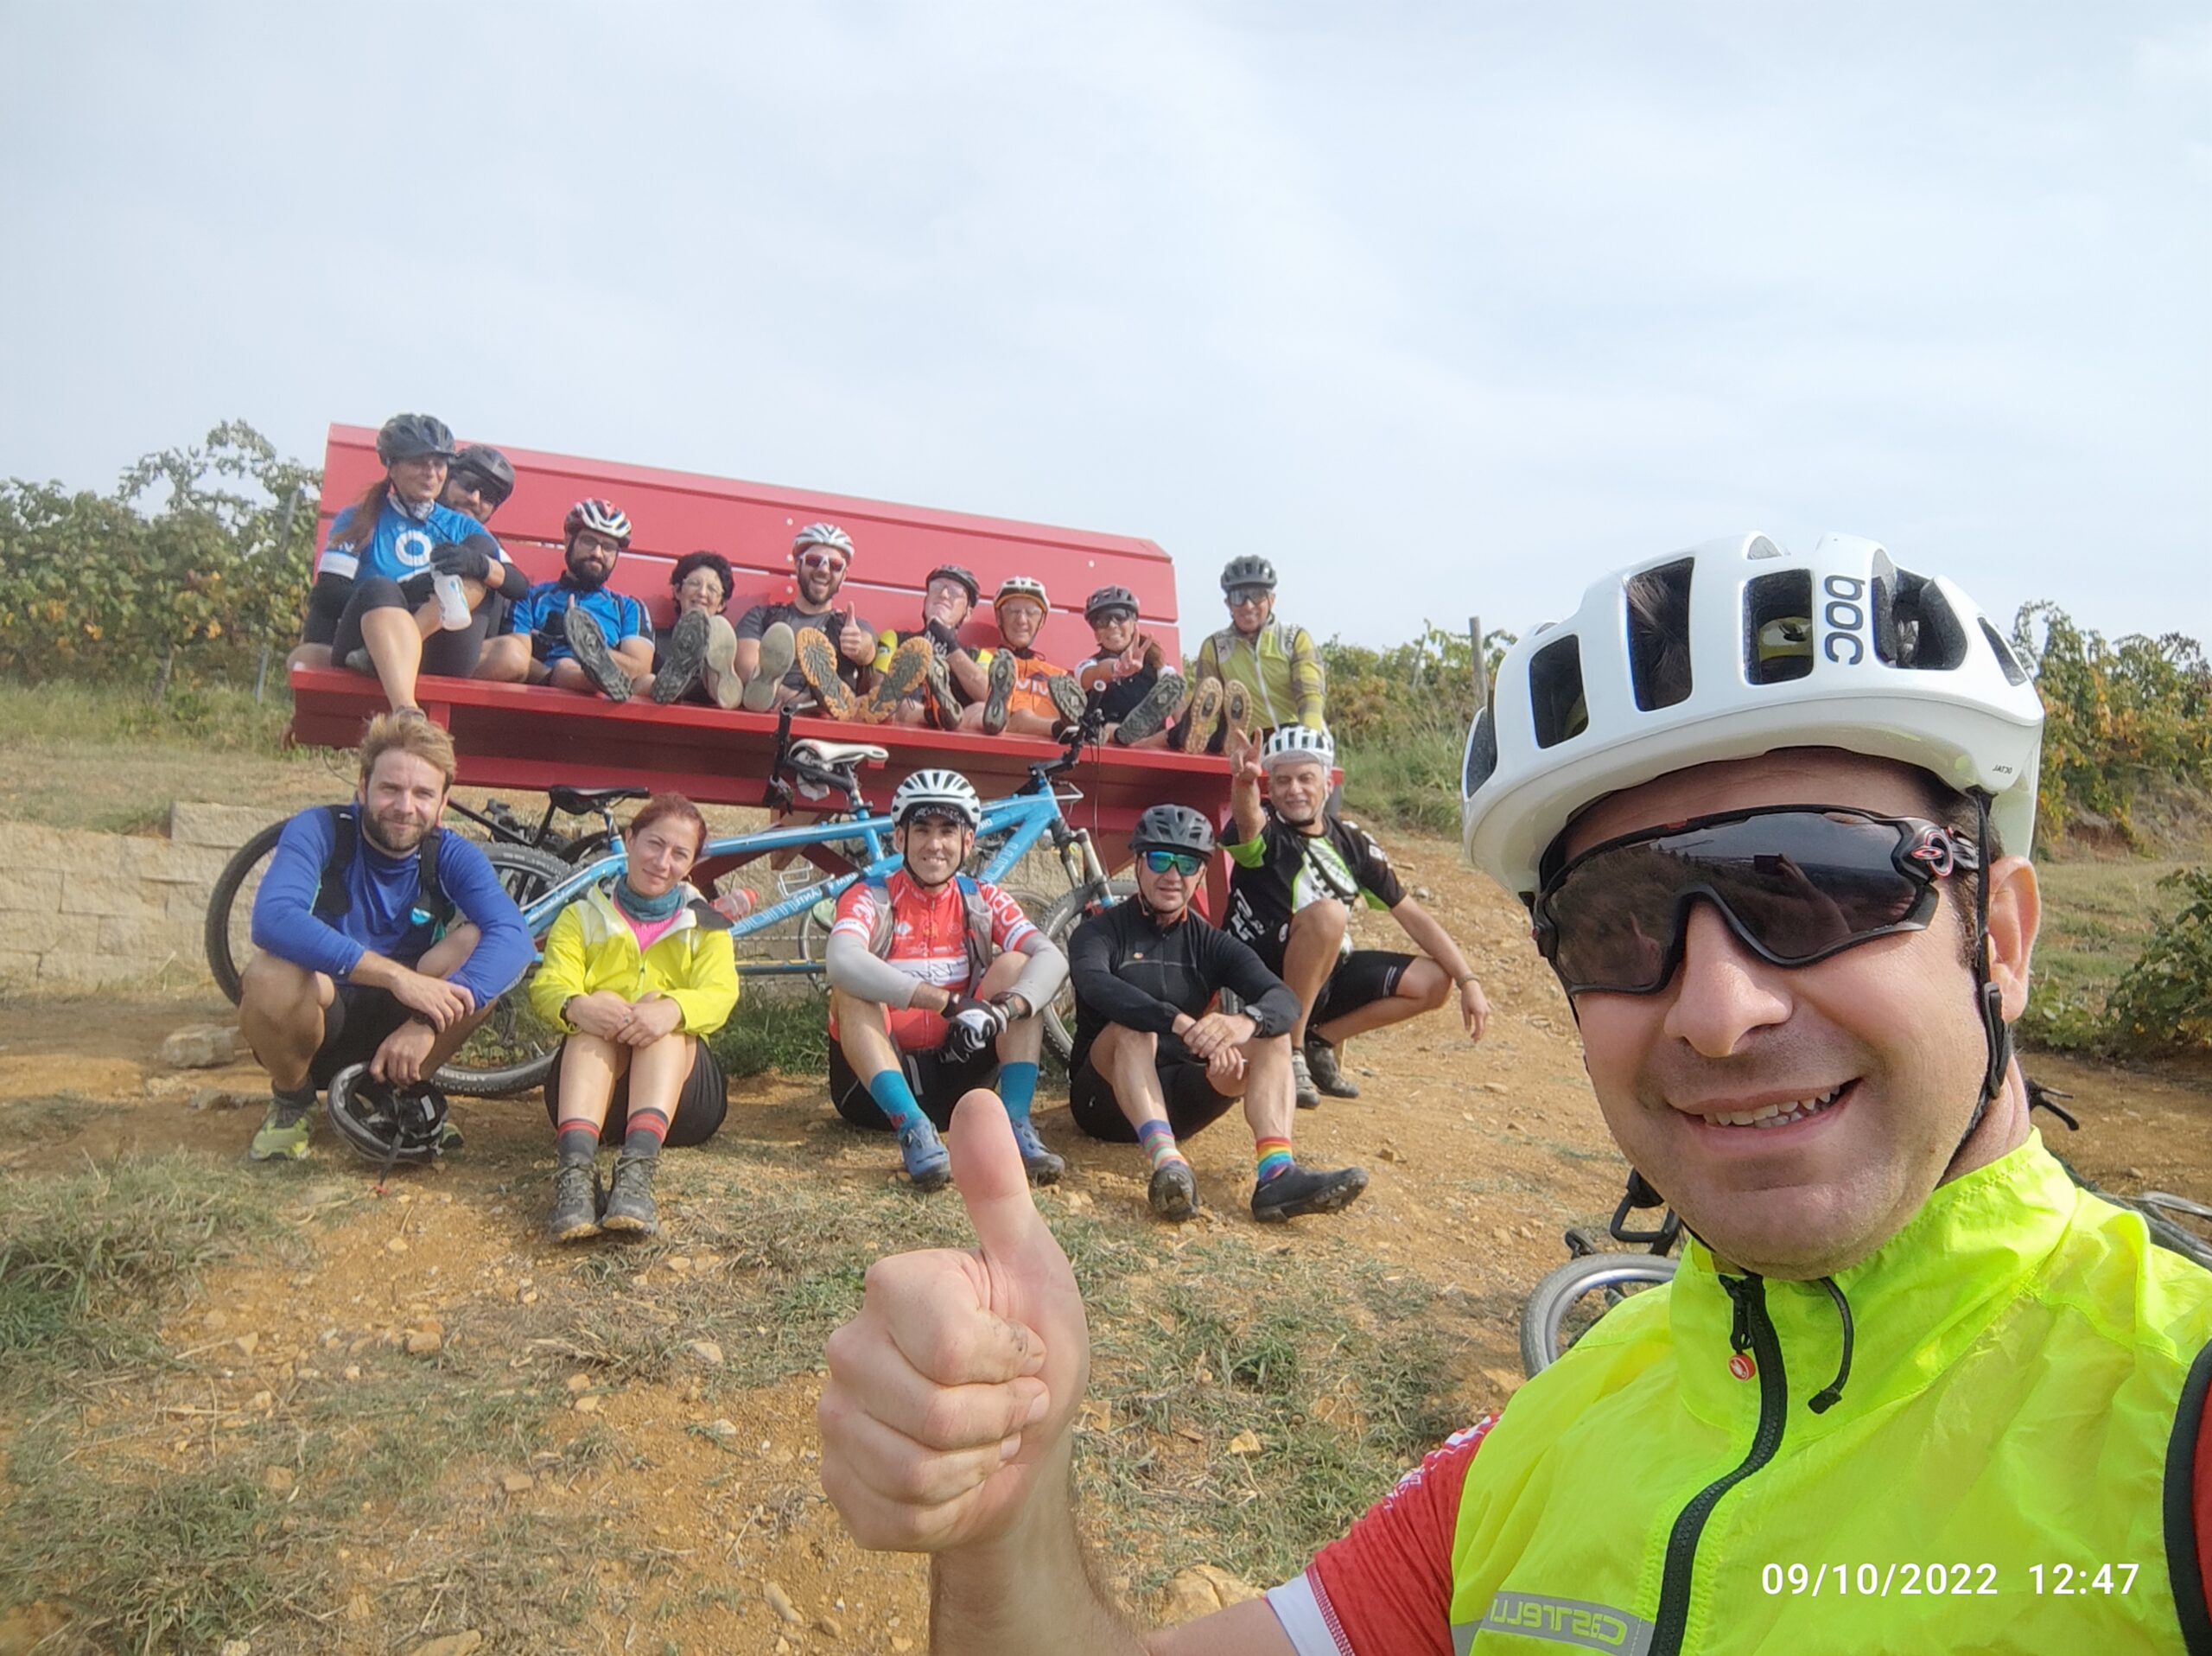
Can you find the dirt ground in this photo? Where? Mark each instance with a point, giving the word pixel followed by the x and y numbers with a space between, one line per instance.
pixel 1479 1156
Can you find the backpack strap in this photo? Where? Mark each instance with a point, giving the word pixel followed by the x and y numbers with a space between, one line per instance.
pixel 878 942
pixel 332 897
pixel 429 890
pixel 979 927
pixel 2185 1503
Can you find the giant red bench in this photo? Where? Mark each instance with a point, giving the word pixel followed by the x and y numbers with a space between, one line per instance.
pixel 537 737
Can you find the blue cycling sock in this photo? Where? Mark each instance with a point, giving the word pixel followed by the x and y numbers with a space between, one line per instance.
pixel 895 1099
pixel 1018 1088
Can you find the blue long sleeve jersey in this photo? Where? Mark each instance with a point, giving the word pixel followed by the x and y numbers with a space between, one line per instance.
pixel 381 914
pixel 401 545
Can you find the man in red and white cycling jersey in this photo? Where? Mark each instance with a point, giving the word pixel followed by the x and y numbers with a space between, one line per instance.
pixel 1788 893
pixel 936 983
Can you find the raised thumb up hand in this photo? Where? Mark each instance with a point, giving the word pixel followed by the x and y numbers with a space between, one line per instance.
pixel 951 1395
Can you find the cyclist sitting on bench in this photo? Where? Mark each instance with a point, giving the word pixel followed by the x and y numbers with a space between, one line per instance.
pixel 578 633
pixel 936 983
pixel 351 968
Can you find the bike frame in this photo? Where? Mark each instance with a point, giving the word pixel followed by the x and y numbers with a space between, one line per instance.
pixel 1026 818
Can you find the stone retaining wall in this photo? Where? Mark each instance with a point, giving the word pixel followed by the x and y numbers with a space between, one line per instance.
pixel 80 909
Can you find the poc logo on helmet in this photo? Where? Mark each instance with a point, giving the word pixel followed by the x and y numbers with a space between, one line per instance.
pixel 1845 612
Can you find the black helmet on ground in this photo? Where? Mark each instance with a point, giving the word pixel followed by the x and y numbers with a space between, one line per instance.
pixel 412 437
pixel 1250 571
pixel 386 1123
pixel 1172 828
pixel 490 469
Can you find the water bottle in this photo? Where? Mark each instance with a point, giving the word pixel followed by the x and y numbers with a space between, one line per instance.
pixel 452 602
pixel 734 906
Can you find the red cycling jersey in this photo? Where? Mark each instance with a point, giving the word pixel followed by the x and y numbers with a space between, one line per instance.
pixel 929 940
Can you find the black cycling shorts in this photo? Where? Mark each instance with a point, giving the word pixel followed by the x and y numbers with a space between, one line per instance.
pixel 938 1084
pixel 355 1025
pixel 1184 1087
pixel 1366 977
pixel 700 1107
pixel 445 655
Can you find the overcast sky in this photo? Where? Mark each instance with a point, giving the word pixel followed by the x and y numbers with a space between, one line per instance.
pixel 1445 308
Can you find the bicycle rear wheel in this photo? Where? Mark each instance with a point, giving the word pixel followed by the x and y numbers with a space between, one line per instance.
pixel 511 1050
pixel 1554 1318
pixel 227 932
pixel 1059 924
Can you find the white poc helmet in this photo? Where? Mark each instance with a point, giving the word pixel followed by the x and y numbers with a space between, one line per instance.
pixel 1287 743
pixel 824 534
pixel 937 790
pixel 1839 649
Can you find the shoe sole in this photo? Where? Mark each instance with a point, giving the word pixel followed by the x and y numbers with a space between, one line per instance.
pixel 299 1155
pixel 929 1184
pixel 778 649
pixel 574 1232
pixel 908 667
pixel 1334 1200
pixel 686 655
pixel 724 688
pixel 945 714
pixel 1183 1204
pixel 1235 709
pixel 1044 1172
pixel 1202 718
pixel 1002 692
pixel 589 645
pixel 1068 698
pixel 625 1225
pixel 1161 703
pixel 818 664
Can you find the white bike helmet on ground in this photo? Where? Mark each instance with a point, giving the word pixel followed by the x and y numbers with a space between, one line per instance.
pixel 1837 649
pixel 947 791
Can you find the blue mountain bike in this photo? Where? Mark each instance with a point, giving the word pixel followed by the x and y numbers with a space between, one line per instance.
pixel 512 1050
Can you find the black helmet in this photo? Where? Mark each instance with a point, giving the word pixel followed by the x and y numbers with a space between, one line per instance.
pixel 1109 598
pixel 386 1123
pixel 1250 571
pixel 489 468
pixel 410 436
pixel 1172 828
pixel 966 578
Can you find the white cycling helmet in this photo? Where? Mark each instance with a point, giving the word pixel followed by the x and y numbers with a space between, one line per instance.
pixel 1287 743
pixel 1839 649
pixel 1021 586
pixel 824 534
pixel 937 790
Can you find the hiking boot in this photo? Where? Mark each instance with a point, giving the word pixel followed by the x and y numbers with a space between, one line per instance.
pixel 1161 703
pixel 994 705
pixel 282 1135
pixel 1235 714
pixel 1039 1164
pixel 1309 1096
pixel 1202 718
pixel 576 1202
pixel 1307 1190
pixel 718 665
pixel 682 657
pixel 1175 1192
pixel 818 665
pixel 589 645
pixel 901 676
pixel 630 1196
pixel 1321 1067
pixel 779 648
pixel 1067 697
pixel 923 1151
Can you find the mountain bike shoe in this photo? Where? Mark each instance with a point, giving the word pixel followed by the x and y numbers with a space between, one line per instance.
pixel 778 648
pixel 1161 703
pixel 1039 1164
pixel 1175 1192
pixel 994 705
pixel 818 663
pixel 280 1139
pixel 589 645
pixel 1307 1190
pixel 682 657
pixel 924 1153
pixel 1067 697
pixel 1309 1096
pixel 1328 1078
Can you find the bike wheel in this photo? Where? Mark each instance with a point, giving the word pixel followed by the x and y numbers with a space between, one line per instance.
pixel 511 1050
pixel 227 932
pixel 1059 924
pixel 1553 1319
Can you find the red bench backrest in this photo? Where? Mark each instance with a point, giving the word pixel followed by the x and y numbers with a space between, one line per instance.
pixel 751 525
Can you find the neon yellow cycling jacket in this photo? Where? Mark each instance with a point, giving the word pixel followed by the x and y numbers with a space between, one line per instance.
pixel 1989 1476
pixel 1281 667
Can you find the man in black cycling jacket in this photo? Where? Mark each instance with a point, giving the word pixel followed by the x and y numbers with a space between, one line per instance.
pixel 1152 1064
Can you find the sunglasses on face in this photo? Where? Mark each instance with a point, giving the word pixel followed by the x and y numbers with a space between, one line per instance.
pixel 1183 863
pixel 1239 597
pixel 1795 886
pixel 830 561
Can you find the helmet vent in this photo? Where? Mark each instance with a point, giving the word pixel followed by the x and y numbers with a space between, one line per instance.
pixel 1914 626
pixel 1482 754
pixel 1778 627
pixel 2014 672
pixel 1659 635
pixel 1555 697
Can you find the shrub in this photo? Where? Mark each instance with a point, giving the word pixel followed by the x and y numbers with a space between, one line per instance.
pixel 2165 999
pixel 1400 717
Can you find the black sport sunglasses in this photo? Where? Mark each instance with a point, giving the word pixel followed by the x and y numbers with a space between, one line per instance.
pixel 1795 885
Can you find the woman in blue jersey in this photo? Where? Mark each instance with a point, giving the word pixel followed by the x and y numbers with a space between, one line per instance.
pixel 373 605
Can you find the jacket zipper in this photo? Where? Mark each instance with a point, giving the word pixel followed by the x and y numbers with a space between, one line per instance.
pixel 1753 1329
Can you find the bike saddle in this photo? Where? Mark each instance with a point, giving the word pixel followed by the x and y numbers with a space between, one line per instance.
pixel 582 801
pixel 832 756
